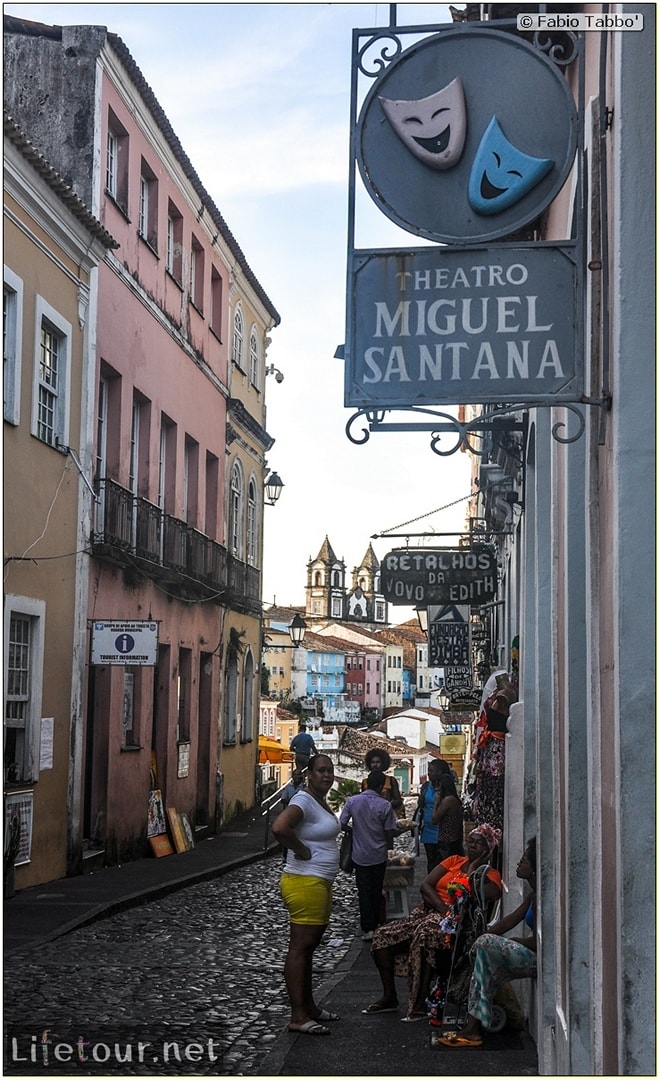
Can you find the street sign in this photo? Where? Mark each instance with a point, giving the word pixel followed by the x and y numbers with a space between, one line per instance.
pixel 449 636
pixel 424 576
pixel 134 644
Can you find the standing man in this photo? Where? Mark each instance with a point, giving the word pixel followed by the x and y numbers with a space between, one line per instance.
pixel 303 747
pixel 374 827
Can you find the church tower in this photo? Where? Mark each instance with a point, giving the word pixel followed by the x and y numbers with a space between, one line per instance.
pixel 325 592
pixel 366 603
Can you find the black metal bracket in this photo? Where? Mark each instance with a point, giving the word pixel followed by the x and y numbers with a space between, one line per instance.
pixel 445 423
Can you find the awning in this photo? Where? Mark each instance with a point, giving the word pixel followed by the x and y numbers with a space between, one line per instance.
pixel 272 752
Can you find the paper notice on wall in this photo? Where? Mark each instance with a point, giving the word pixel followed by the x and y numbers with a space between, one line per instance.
pixel 46 745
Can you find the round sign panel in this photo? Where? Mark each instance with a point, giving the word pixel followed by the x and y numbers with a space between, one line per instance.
pixel 467 136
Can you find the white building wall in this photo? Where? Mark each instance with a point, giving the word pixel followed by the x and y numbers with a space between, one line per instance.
pixel 634 393
pixel 583 778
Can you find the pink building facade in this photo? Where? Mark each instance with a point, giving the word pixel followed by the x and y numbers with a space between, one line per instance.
pixel 155 442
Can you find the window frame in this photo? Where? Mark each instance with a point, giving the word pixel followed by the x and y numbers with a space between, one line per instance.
pixel 255 359
pixel 148 206
pixel 35 611
pixel 174 245
pixel 251 531
pixel 249 672
pixel 116 162
pixel 47 315
pixel 236 493
pixel 12 341
pixel 230 711
pixel 238 338
pixel 197 271
pixel 217 293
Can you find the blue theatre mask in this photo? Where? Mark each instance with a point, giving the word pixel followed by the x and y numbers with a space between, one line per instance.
pixel 502 174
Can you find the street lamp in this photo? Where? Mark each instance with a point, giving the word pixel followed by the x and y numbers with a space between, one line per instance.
pixel 423 617
pixel 297 630
pixel 273 489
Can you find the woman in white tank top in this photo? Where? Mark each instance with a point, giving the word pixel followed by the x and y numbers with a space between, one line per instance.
pixel 308 830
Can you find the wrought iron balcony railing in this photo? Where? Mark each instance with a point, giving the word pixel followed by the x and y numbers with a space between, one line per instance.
pixel 132 531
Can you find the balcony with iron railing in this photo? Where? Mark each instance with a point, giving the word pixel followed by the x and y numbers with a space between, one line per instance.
pixel 132 532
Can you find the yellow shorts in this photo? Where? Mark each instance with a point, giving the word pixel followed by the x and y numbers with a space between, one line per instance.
pixel 308 899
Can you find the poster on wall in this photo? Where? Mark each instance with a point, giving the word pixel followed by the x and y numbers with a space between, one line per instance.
pixel 19 806
pixel 156 821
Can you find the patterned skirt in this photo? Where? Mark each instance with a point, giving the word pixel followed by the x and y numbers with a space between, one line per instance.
pixel 414 941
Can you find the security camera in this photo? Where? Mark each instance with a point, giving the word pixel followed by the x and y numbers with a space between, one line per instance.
pixel 279 377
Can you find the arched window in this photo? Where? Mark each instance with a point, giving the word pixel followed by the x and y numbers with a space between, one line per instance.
pixel 252 524
pixel 254 358
pixel 248 698
pixel 237 342
pixel 231 701
pixel 236 511
pixel 318 578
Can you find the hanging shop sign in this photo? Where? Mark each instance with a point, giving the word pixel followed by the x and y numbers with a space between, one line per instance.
pixel 128 643
pixel 458 678
pixel 424 576
pixel 459 700
pixel 452 744
pixel 449 636
pixel 444 326
pixel 468 135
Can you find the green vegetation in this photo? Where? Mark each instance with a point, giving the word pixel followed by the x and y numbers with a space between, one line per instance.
pixel 337 796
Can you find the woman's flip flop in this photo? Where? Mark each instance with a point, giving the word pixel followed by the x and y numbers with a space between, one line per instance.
pixel 310 1027
pixel 455 1039
pixel 327 1016
pixel 378 1008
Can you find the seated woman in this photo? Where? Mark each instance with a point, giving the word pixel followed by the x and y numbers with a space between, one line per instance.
pixel 498 959
pixel 408 946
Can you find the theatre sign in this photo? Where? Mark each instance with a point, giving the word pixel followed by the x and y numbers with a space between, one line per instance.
pixel 456 326
pixel 464 139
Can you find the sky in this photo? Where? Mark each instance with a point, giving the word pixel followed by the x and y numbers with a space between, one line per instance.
pixel 259 96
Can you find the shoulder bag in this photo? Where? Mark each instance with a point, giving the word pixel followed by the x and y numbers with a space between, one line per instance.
pixel 346 851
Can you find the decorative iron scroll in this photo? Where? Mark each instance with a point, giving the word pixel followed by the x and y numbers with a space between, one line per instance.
pixel 444 423
pixel 384 46
pixel 560 47
pixel 378 62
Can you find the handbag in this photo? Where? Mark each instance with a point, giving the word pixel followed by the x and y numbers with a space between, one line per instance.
pixel 346 851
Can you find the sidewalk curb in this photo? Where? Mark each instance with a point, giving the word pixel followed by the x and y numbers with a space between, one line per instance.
pixel 143 896
pixel 275 1057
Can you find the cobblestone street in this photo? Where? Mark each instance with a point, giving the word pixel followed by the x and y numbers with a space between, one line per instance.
pixel 202 964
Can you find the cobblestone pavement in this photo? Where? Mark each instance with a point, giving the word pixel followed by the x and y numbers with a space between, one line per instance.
pixel 202 964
